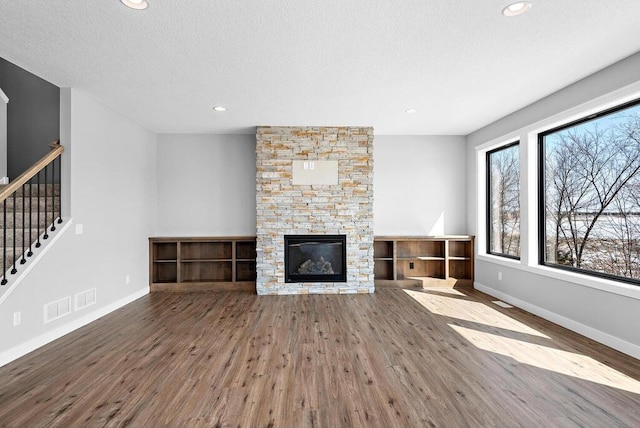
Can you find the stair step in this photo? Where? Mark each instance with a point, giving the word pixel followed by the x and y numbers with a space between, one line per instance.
pixel 45 220
pixel 9 253
pixel 32 203
pixel 9 264
pixel 30 235
pixel 48 189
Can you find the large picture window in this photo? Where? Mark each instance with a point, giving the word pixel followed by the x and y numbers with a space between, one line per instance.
pixel 503 201
pixel 590 194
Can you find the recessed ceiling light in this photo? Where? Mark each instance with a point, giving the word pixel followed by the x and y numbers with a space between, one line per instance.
pixel 410 110
pixel 220 108
pixel 136 4
pixel 517 8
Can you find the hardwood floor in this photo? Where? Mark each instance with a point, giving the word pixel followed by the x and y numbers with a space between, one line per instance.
pixel 427 358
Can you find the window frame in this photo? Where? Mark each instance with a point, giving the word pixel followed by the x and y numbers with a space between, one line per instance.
pixel 541 171
pixel 488 225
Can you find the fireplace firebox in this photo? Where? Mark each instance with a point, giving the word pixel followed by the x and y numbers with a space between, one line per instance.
pixel 315 258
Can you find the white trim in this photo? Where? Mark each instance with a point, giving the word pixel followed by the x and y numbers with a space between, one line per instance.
pixel 596 105
pixel 585 330
pixel 31 345
pixel 38 253
pixel 4 180
pixel 607 285
pixel 4 96
pixel 528 137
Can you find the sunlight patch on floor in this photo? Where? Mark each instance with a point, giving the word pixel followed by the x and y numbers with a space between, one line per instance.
pixel 547 358
pixel 468 310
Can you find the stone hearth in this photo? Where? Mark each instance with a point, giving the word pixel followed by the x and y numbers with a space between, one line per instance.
pixel 345 208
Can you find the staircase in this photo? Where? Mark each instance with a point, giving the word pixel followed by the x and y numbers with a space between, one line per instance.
pixel 29 212
pixel 32 211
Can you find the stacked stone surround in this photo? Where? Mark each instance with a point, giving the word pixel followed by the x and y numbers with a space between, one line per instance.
pixel 287 209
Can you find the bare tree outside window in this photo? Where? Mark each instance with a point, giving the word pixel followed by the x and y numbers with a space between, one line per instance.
pixel 503 202
pixel 590 192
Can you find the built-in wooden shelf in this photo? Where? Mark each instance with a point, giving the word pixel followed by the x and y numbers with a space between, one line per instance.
pixel 229 263
pixel 424 260
pixel 194 264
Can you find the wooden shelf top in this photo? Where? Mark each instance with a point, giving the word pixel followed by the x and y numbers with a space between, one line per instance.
pixel 425 238
pixel 202 239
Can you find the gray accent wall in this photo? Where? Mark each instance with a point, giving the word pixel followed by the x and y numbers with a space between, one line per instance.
pixel 603 310
pixel 33 116
pixel 3 138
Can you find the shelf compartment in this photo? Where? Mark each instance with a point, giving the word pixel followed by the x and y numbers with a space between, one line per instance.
pixel 206 271
pixel 460 250
pixel 421 268
pixel 382 249
pixel 383 269
pixel 460 269
pixel 420 248
pixel 246 270
pixel 206 251
pixel 165 251
pixel 164 272
pixel 246 250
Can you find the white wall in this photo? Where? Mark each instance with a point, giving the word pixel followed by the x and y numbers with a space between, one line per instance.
pixel 604 310
pixel 113 195
pixel 419 185
pixel 206 185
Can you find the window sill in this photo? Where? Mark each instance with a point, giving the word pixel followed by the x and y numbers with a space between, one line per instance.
pixel 606 285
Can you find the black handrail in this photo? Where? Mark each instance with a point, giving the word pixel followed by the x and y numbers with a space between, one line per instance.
pixel 46 196
pixel 24 224
pixel 60 190
pixel 38 218
pixel 30 185
pixel 14 270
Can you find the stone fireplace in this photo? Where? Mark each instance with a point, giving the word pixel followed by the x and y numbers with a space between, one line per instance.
pixel 336 201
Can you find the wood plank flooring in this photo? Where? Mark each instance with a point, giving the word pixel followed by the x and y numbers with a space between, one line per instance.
pixel 398 358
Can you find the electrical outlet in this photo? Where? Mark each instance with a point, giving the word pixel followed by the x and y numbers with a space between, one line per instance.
pixel 127 279
pixel 79 229
pixel 499 276
pixel 17 318
pixel 411 265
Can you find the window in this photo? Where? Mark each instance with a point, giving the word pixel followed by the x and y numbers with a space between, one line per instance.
pixel 503 201
pixel 590 194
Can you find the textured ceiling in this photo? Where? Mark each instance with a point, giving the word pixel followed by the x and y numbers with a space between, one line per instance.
pixel 460 63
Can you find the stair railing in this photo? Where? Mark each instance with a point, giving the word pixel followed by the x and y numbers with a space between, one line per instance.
pixel 26 183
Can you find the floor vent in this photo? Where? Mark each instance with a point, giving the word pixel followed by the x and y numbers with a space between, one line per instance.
pixel 85 298
pixel 57 309
pixel 502 304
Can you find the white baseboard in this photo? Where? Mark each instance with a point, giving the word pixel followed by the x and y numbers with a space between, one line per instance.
pixel 39 341
pixel 590 332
